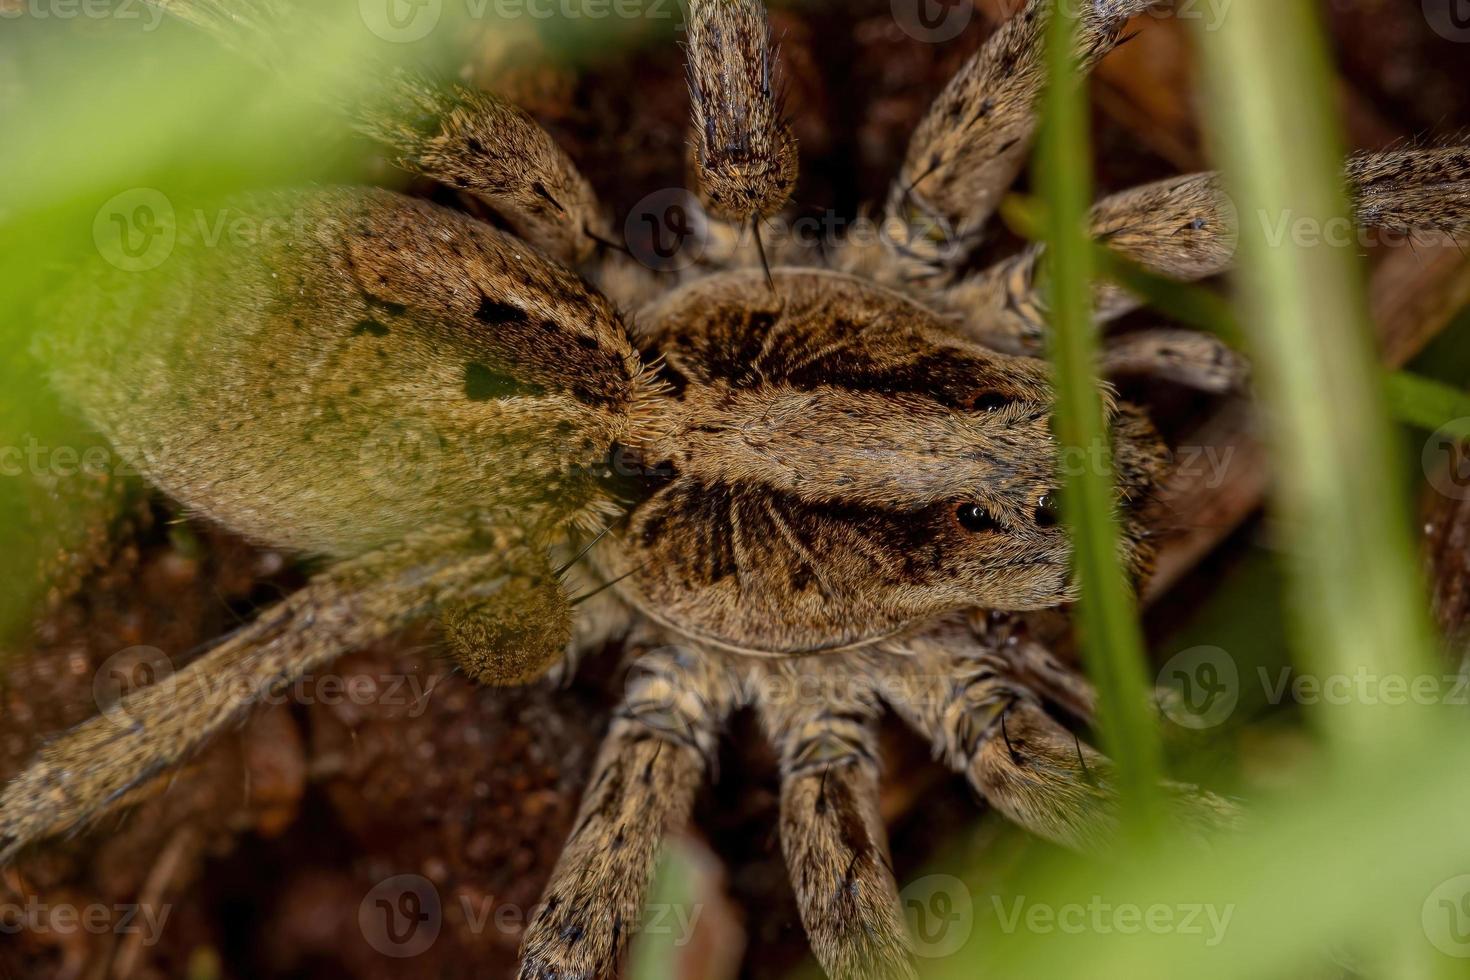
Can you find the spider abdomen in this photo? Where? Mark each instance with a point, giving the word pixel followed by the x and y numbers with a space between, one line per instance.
pixel 360 364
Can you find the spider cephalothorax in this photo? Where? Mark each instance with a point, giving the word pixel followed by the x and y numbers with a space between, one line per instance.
pixel 838 466
pixel 794 473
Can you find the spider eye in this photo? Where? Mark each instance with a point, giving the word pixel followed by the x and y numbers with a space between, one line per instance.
pixel 974 518
pixel 989 401
pixel 1048 509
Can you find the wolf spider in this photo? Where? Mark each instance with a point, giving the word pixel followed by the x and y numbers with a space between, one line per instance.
pixel 791 488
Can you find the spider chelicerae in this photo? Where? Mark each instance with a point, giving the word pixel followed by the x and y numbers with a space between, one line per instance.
pixel 788 482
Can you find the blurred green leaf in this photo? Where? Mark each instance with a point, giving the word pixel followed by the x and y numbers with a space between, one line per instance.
pixel 1355 601
pixel 1428 404
pixel 1111 639
pixel 655 952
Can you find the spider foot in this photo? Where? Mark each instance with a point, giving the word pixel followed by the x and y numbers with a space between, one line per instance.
pixel 642 785
pixel 992 727
pixel 832 834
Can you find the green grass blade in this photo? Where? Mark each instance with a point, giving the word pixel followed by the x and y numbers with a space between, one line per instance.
pixel 654 953
pixel 1112 642
pixel 1420 401
pixel 1343 512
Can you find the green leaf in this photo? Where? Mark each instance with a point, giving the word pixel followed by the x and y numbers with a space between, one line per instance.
pixel 1428 404
pixel 1111 639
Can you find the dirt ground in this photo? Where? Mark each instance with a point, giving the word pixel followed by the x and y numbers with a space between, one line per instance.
pixel 268 846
